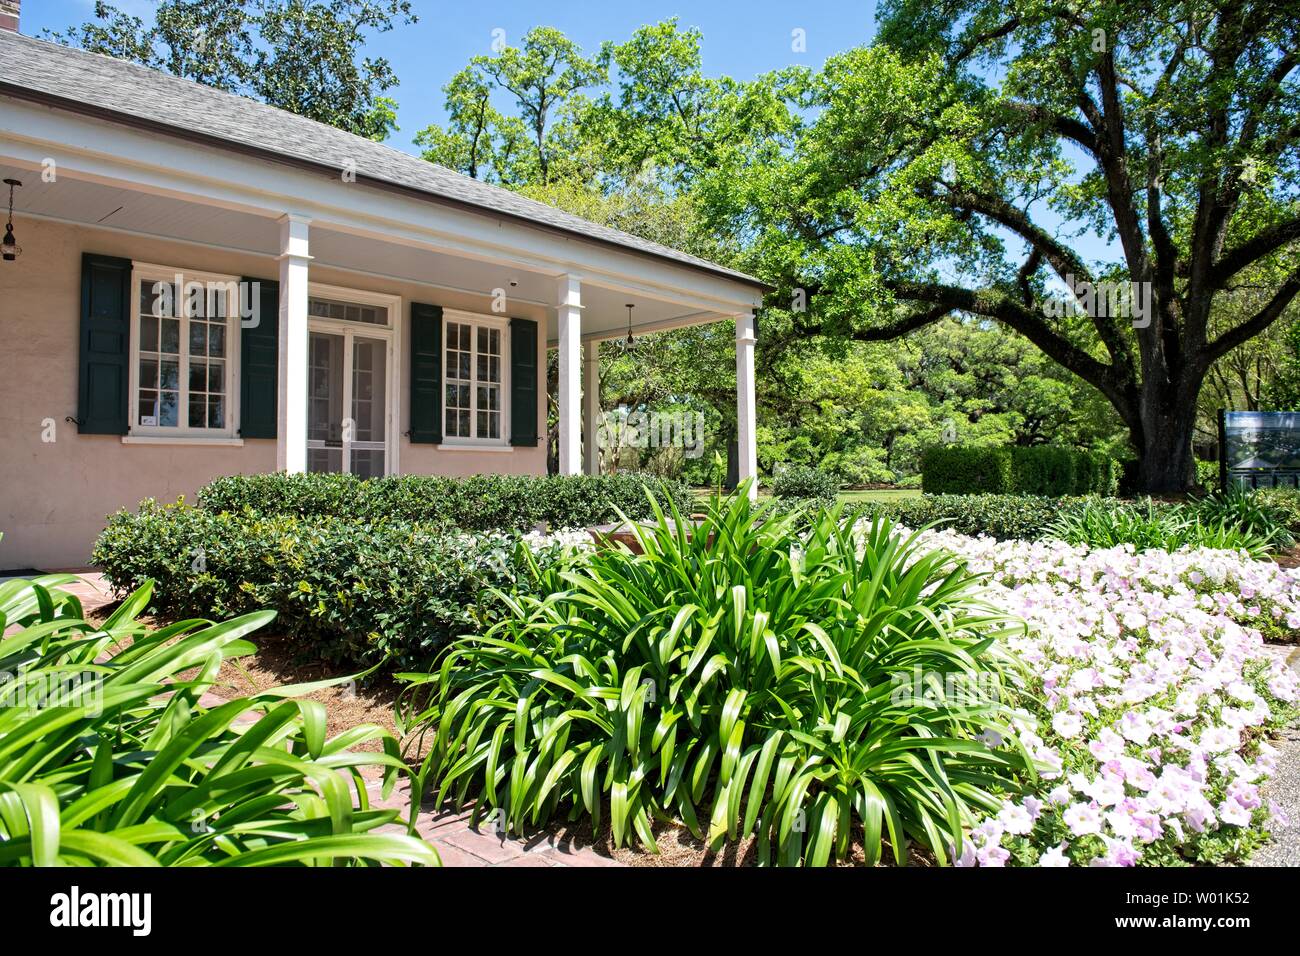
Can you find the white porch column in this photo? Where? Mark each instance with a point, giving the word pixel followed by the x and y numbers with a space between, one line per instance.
pixel 746 404
pixel 291 424
pixel 569 313
pixel 591 407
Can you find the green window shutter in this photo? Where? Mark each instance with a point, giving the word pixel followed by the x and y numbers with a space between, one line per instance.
pixel 105 347
pixel 523 382
pixel 259 363
pixel 426 374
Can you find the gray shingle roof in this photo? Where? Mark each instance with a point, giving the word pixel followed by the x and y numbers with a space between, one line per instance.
pixel 117 89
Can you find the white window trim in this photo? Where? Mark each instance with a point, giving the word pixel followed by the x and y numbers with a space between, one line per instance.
pixel 391 333
pixel 455 442
pixel 178 434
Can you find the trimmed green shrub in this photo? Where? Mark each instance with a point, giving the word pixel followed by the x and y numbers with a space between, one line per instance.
pixel 350 591
pixel 803 484
pixel 999 516
pixel 748 680
pixel 1096 473
pixel 1285 502
pixel 1207 474
pixel 110 756
pixel 965 470
pixel 1045 470
pixel 479 503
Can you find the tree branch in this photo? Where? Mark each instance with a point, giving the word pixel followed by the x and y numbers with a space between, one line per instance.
pixel 1257 323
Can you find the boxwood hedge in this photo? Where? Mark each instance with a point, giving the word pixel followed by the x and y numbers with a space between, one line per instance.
pixel 350 591
pixel 1045 470
pixel 480 503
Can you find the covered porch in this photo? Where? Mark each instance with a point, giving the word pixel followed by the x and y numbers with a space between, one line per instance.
pixel 453 302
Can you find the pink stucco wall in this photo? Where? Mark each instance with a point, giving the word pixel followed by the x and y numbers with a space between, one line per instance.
pixel 54 496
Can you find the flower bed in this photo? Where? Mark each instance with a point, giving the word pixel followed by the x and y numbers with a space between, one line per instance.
pixel 1149 694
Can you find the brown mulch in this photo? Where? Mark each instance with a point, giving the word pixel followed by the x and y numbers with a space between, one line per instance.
pixel 1289 558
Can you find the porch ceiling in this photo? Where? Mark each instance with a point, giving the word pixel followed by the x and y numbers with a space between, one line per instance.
pixel 88 202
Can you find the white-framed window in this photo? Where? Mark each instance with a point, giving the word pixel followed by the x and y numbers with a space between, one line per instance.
pixel 184 352
pixel 474 379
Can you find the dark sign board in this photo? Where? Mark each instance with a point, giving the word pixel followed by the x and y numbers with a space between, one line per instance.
pixel 1262 449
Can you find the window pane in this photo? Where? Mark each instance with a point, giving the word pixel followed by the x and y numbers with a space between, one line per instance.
pixel 216 412
pixel 482 424
pixel 450 425
pixel 217 341
pixel 148 373
pixel 216 377
pixel 464 366
pixel 464 424
pixel 157 298
pixel 148 408
pixel 148 333
pixel 463 398
pixel 171 374
pixel 168 409
pixel 198 338
pixel 494 425
pixel 198 377
pixel 171 335
pixel 198 411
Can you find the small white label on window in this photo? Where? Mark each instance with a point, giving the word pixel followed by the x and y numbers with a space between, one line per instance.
pixel 148 419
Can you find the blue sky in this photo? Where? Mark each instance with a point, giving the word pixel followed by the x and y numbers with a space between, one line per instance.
pixel 741 39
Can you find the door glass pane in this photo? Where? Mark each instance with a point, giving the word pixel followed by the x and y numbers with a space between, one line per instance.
pixel 369 390
pixel 325 459
pixel 368 463
pixel 325 397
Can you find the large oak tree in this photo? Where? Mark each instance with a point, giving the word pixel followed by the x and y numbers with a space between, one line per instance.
pixel 953 166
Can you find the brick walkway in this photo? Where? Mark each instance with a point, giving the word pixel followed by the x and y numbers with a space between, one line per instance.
pixel 447 831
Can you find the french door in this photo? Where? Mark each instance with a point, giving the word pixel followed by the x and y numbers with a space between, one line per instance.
pixel 347 402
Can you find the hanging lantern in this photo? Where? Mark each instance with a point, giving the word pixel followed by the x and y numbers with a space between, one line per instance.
pixel 9 249
pixel 629 341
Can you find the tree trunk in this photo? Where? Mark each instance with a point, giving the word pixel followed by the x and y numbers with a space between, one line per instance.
pixel 1168 415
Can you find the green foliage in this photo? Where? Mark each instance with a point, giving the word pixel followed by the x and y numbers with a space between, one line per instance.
pixel 1207 474
pixel 303 56
pixel 1248 510
pixel 1285 502
pixel 799 483
pixel 357 591
pixel 1000 516
pixel 109 756
pixel 1105 525
pixel 747 680
pixel 1037 470
pixel 958 469
pixel 479 503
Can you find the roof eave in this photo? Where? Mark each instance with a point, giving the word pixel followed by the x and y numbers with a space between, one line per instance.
pixel 298 162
